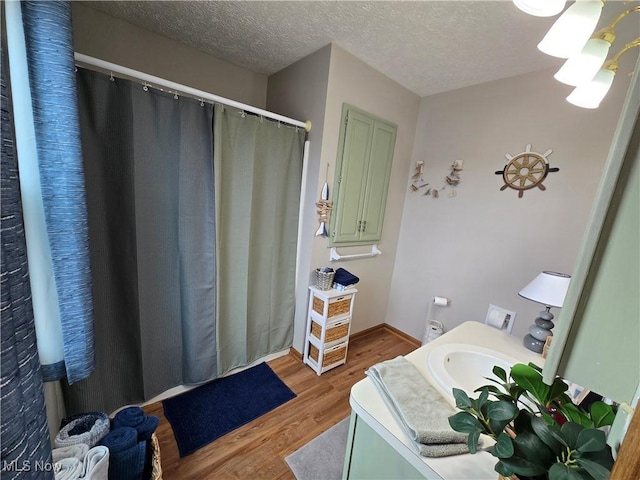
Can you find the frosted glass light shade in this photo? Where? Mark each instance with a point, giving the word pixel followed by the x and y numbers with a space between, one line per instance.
pixel 589 95
pixel 581 68
pixel 548 288
pixel 572 30
pixel 540 8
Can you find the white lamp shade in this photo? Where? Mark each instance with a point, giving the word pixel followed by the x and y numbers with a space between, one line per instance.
pixel 581 68
pixel 591 94
pixel 548 288
pixel 540 8
pixel 572 30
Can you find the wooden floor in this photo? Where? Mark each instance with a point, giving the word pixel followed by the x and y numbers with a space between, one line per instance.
pixel 257 450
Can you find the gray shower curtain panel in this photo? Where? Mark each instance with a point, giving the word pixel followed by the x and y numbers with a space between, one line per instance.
pixel 150 193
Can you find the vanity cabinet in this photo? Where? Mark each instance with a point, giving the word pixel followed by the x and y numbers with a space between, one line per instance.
pixel 365 155
pixel 373 458
pixel 328 327
pixel 378 446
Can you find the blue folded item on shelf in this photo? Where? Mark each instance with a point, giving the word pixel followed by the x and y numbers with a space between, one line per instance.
pixel 344 277
pixel 135 417
pixel 127 456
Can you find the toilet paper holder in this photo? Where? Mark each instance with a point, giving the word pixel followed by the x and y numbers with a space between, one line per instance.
pixel 500 318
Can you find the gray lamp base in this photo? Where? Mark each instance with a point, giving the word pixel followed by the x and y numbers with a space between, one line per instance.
pixel 538 333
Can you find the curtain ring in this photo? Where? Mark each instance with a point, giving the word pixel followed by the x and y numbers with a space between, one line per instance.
pixel 145 87
pixel 111 77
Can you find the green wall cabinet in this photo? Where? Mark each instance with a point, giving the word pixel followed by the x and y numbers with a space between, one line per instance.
pixel 365 155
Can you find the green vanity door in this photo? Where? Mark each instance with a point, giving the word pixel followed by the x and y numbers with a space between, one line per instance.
pixel 362 178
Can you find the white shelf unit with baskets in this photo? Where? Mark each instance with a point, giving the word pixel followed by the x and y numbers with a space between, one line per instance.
pixel 328 327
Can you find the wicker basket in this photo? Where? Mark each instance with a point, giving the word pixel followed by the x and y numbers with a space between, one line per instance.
pixel 339 306
pixel 324 280
pixel 333 333
pixel 331 355
pixel 156 465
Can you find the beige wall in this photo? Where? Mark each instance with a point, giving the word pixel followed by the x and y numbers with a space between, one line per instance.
pixel 300 91
pixel 108 38
pixel 484 245
pixel 344 78
pixel 353 81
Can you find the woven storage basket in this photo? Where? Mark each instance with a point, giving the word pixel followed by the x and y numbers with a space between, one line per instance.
pixel 339 307
pixel 330 355
pixel 156 465
pixel 334 332
pixel 324 280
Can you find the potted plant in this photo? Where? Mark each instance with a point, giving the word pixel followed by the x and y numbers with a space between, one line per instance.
pixel 540 433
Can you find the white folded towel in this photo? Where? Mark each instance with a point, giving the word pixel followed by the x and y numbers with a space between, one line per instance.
pixel 96 463
pixel 419 407
pixel 79 450
pixel 79 462
pixel 70 468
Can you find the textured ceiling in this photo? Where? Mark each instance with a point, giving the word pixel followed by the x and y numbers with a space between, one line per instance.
pixel 427 46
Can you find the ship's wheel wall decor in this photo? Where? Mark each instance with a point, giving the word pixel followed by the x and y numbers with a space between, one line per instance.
pixel 526 170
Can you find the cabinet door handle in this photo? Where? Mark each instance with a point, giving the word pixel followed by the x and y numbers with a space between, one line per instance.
pixel 364 225
pixel 359 225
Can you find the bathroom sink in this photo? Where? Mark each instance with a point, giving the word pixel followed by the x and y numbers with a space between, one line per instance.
pixel 465 366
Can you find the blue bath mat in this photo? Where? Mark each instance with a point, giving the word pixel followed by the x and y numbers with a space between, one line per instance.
pixel 203 414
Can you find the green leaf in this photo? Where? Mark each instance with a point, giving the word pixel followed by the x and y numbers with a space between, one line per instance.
pixel 464 422
pixel 558 387
pixel 535 367
pixel 529 447
pixel 597 471
pixel 570 432
pixel 520 466
pixel 500 373
pixel 549 434
pixel 575 414
pixel 472 441
pixel 498 426
pixel 482 399
pixel 591 440
pixel 503 447
pixel 531 380
pixel 602 457
pixel 503 470
pixel 602 414
pixel 560 471
pixel 502 410
pixel 490 388
pixel 463 402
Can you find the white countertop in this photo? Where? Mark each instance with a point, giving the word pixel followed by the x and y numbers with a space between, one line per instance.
pixel 367 403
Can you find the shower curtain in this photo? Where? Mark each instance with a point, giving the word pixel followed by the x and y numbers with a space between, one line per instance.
pixel 258 167
pixel 149 173
pixel 192 276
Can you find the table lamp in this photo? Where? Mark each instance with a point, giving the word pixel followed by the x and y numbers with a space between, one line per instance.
pixel 549 289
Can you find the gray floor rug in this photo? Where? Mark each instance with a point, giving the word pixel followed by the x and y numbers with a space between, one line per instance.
pixel 323 457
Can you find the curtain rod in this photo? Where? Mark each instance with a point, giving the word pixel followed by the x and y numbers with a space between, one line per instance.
pixel 199 94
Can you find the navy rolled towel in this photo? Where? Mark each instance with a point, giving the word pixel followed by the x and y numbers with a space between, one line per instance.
pixel 135 417
pixel 126 454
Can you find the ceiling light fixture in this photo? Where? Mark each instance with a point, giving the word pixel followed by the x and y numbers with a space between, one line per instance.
pixel 572 29
pixel 582 68
pixel 589 95
pixel 540 8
